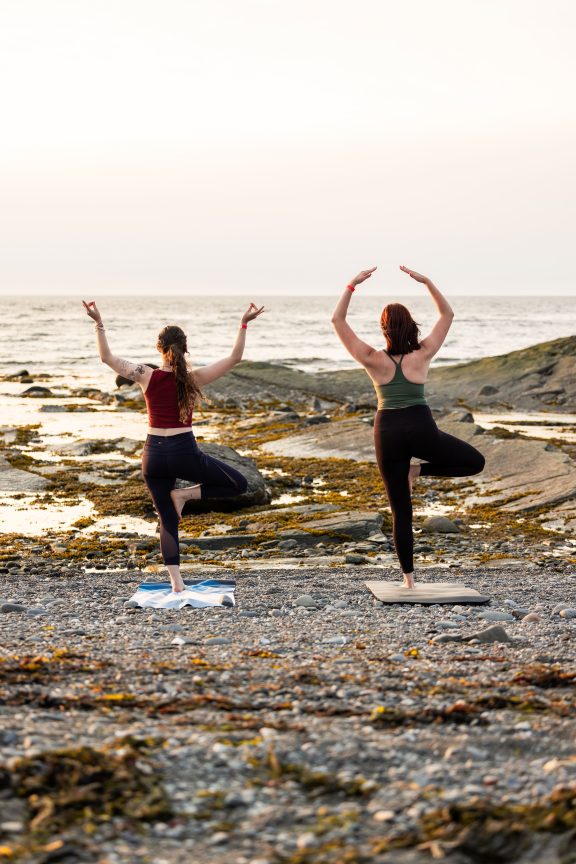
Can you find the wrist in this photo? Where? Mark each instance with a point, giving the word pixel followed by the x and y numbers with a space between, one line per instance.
pixel 243 325
pixel 351 286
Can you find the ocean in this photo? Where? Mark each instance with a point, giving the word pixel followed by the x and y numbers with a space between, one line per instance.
pixel 53 335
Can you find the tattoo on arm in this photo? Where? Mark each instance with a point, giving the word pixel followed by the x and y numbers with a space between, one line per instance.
pixel 139 369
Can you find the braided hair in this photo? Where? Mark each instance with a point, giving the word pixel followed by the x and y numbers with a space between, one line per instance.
pixel 400 330
pixel 172 343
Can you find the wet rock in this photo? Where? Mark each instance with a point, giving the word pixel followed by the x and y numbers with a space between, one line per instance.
pixel 17 480
pixel 439 525
pixel 37 392
pixel 353 524
pixel 287 544
pixel 355 558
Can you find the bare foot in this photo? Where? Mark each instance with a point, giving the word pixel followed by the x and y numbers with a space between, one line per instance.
pixel 408 580
pixel 180 496
pixel 413 472
pixel 177 584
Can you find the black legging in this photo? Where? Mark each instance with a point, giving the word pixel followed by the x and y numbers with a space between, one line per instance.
pixel 399 434
pixel 165 459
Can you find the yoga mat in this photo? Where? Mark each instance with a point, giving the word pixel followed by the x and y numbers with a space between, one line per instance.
pixel 426 592
pixel 159 595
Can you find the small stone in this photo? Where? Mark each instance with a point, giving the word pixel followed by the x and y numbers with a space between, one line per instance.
pixel 491 634
pixel 383 816
pixel 355 558
pixel 12 607
pixel 448 625
pixel 306 840
pixel 11 827
pixel 531 617
pixel 335 640
pixel 490 615
pixel 446 637
pixel 559 607
pixel 131 604
pixel 249 614
pixel 339 604
pixel 218 640
pixel 307 601
pixel 439 525
pixel 287 544
pixel 171 628
pixel 182 640
pixel 568 613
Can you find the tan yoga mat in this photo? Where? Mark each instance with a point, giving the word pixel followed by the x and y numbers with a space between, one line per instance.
pixel 426 592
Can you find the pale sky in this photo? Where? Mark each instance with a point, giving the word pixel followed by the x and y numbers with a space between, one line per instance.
pixel 280 146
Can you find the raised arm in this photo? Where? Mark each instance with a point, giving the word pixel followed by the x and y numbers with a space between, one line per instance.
pixel 213 371
pixel 134 371
pixel 359 350
pixel 435 339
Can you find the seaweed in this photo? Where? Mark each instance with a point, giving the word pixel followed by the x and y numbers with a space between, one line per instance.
pixel 90 786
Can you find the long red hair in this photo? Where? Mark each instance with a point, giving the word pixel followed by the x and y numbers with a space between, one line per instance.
pixel 400 330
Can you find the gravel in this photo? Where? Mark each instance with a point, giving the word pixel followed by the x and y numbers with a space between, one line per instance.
pixel 287 726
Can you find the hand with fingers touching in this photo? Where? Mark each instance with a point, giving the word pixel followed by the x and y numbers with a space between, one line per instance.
pixel 92 311
pixel 362 276
pixel 252 312
pixel 417 276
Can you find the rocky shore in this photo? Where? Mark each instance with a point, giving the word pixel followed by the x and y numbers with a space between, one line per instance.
pixel 310 724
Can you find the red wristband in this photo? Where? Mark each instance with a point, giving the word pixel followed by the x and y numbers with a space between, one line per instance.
pixel 244 326
pixel 351 287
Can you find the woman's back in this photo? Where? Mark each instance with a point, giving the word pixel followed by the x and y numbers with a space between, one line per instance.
pixel 162 402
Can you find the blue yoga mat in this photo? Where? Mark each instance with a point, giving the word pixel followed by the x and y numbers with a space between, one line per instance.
pixel 210 592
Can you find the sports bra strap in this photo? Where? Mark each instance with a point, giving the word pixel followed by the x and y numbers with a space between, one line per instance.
pixel 393 360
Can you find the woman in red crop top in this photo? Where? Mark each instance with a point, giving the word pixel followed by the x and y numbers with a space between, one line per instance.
pixel 171 451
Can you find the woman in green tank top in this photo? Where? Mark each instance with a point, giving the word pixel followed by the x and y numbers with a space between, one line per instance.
pixel 404 427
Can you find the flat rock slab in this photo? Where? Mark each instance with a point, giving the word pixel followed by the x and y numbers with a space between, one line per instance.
pixel 17 480
pixel 520 474
pixel 426 593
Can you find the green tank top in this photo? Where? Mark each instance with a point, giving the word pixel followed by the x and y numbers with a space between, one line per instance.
pixel 399 392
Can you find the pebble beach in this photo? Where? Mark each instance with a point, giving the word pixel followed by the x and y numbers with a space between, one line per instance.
pixel 310 722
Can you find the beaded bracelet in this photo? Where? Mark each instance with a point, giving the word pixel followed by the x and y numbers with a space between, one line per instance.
pixel 244 326
pixel 351 287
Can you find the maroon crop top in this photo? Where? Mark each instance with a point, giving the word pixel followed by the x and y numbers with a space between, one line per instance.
pixel 162 402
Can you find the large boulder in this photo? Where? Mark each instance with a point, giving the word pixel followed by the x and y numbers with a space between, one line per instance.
pixel 257 492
